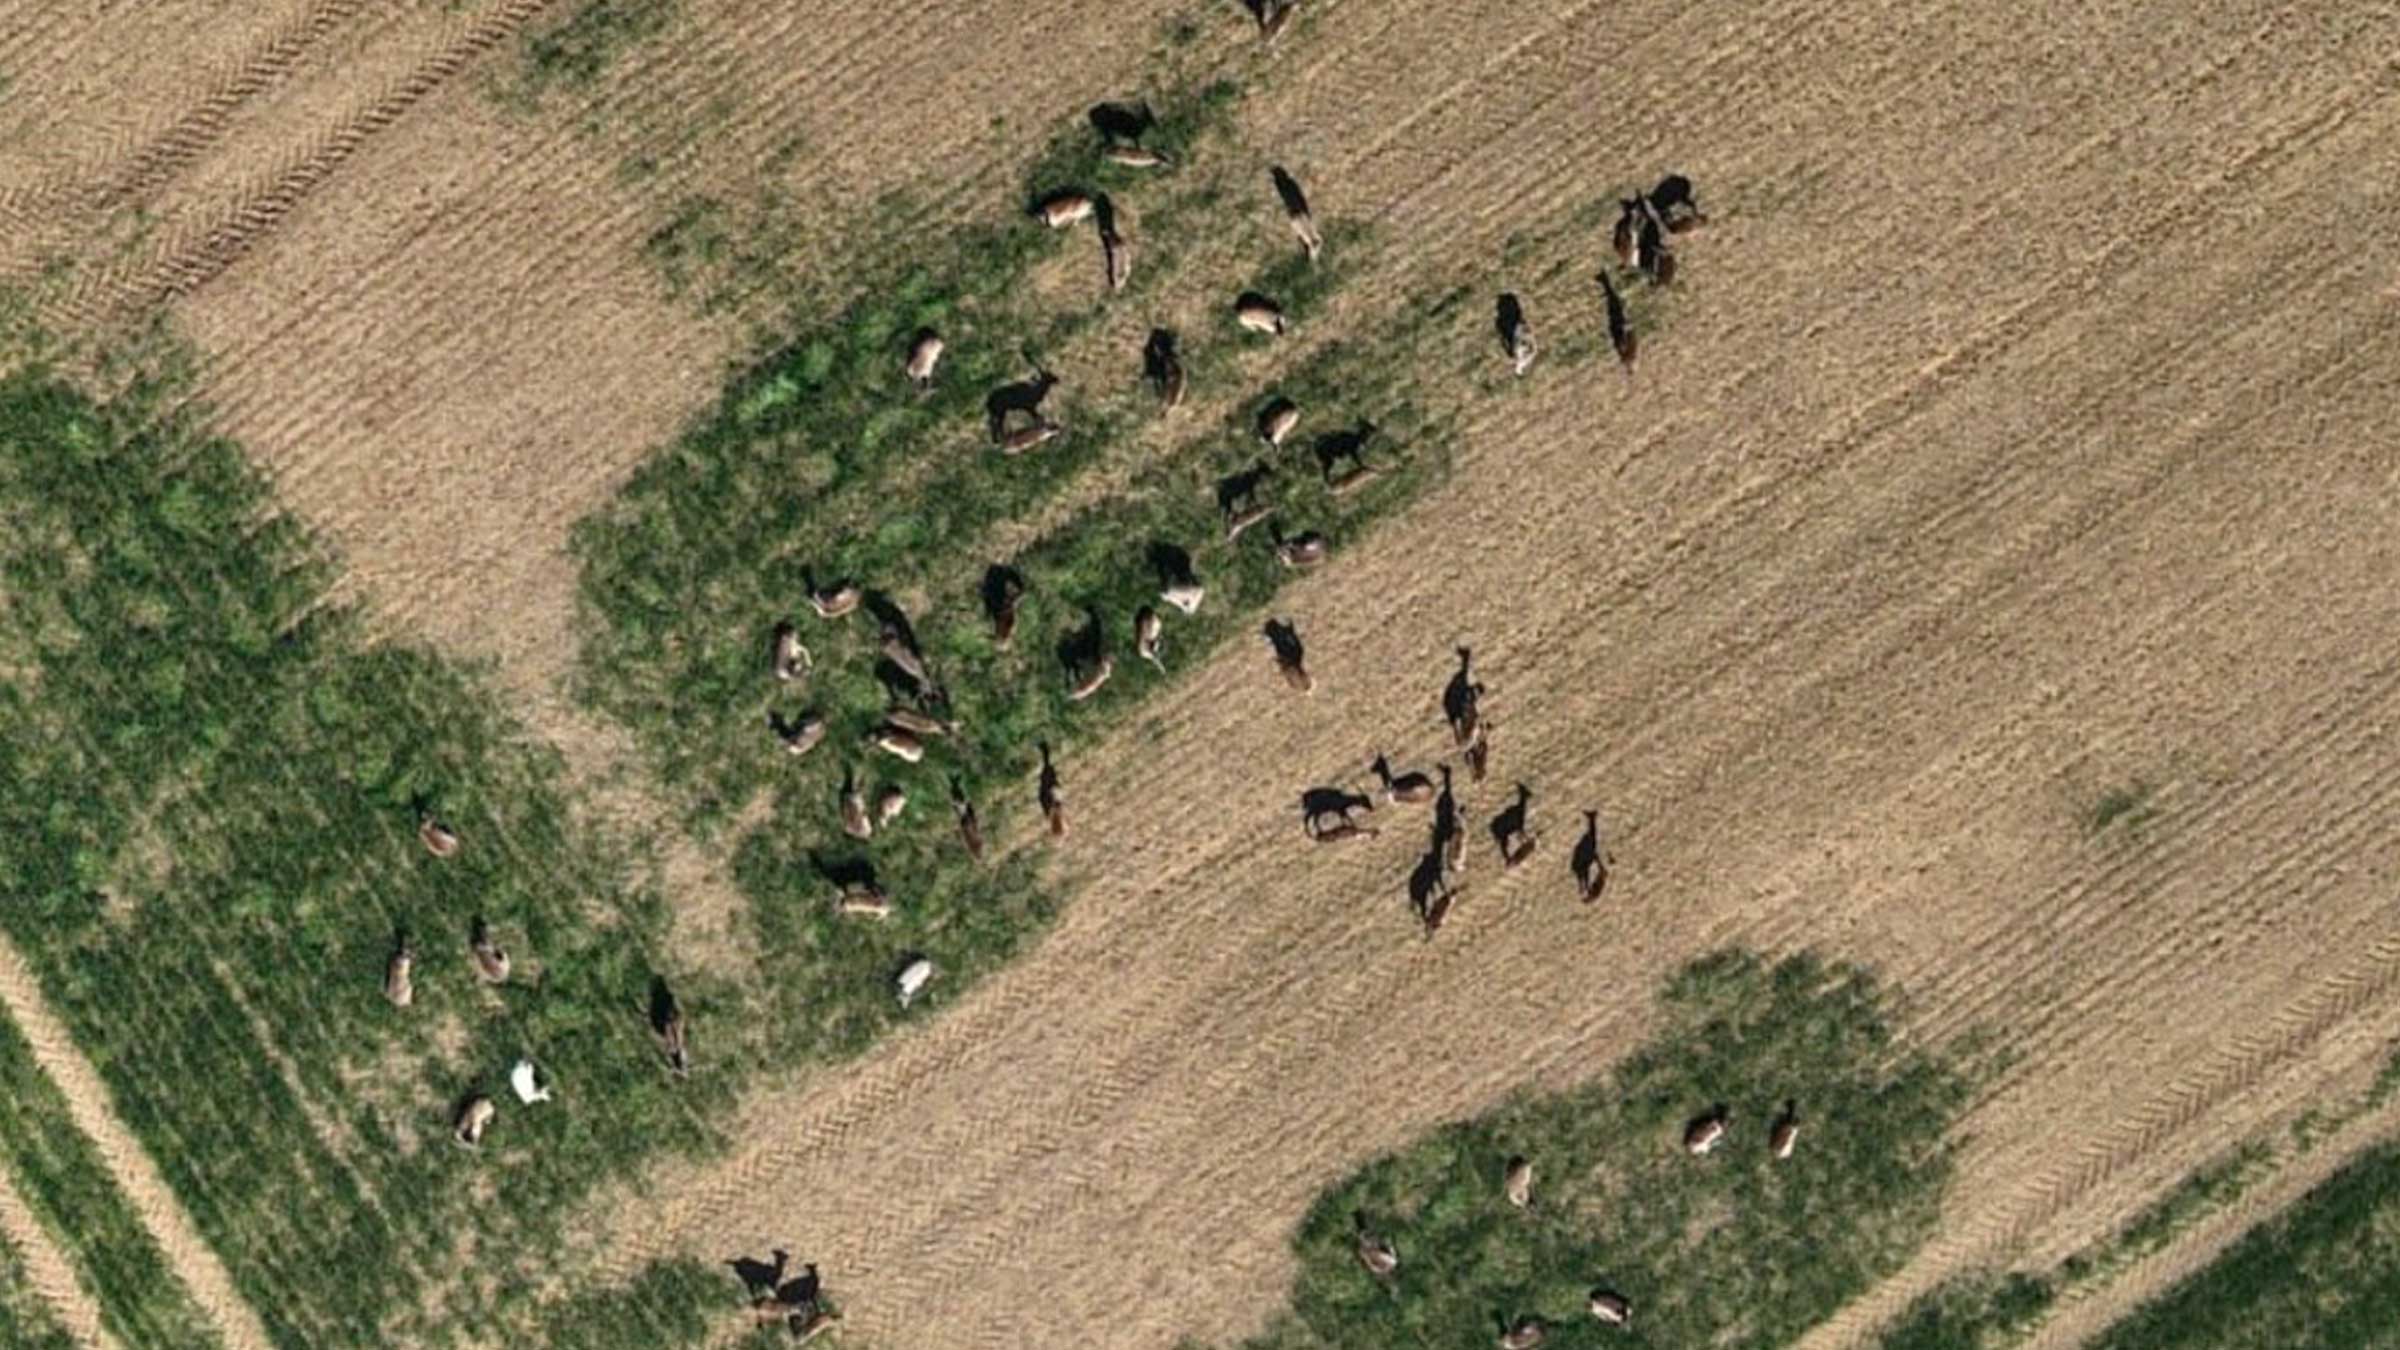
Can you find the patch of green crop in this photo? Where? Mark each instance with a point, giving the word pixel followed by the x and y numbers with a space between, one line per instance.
pixel 2324 1275
pixel 26 1322
pixel 2126 808
pixel 1976 1312
pixel 61 1178
pixel 1735 1249
pixel 576 50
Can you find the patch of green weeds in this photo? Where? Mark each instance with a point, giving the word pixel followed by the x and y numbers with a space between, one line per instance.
pixel 575 51
pixel 2126 808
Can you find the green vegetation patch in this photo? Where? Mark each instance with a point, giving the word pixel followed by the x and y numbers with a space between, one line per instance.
pixel 575 51
pixel 209 786
pixel 62 1179
pixel 2324 1275
pixel 1978 1312
pixel 1731 1249
pixel 26 1321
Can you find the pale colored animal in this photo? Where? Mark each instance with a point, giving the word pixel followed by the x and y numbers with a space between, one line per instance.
pixel 1410 788
pixel 1702 1136
pixel 1277 422
pixel 898 649
pixel 1147 628
pixel 791 659
pixel 491 962
pixel 1517 1182
pixel 1116 258
pixel 1611 1308
pixel 399 975
pixel 897 743
pixel 1303 550
pixel 923 356
pixel 1184 595
pixel 1258 314
pixel 798 737
pixel 1525 1335
pixel 1375 1251
pixel 1063 209
pixel 438 839
pixel 919 723
pixel 1786 1135
pixel 1274 16
pixel 912 980
pixel 473 1119
pixel 1092 679
pixel 832 602
pixel 1040 432
pixel 855 821
pixel 889 803
pixel 863 900
pixel 526 1084
pixel 1135 157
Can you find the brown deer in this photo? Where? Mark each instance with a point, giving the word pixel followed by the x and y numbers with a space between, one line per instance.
pixel 1277 420
pixel 1146 631
pixel 473 1118
pixel 1611 1308
pixel 1053 802
pixel 1525 1335
pixel 1284 640
pixel 1512 830
pixel 835 601
pixel 1092 677
pixel 923 355
pixel 1062 209
pixel 862 899
pixel 1163 368
pixel 1786 1135
pixel 1295 209
pixel 889 803
pixel 970 831
pixel 1258 314
pixel 918 723
pixel 1116 258
pixel 491 962
pixel 897 743
pixel 1620 330
pixel 1437 910
pixel 399 974
pixel 438 839
pixel 1003 595
pixel 1706 1131
pixel 791 659
pixel 1591 861
pixel 855 821
pixel 666 1023
pixel 1478 753
pixel 1040 432
pixel 1409 788
pixel 1238 498
pixel 1517 1182
pixel 1301 551
pixel 798 737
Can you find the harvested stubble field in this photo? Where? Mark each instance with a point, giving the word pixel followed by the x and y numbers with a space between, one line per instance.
pixel 1971 584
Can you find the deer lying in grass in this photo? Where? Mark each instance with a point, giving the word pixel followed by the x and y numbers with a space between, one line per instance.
pixel 1184 595
pixel 1706 1131
pixel 970 830
pixel 1303 550
pixel 923 355
pixel 1053 801
pixel 525 1081
pixel 1277 420
pixel 835 601
pixel 855 821
pixel 1089 681
pixel 1786 1135
pixel 1611 1308
pixel 473 1118
pixel 666 1023
pixel 912 979
pixel 490 961
pixel 399 974
pixel 1238 499
pixel 1039 433
pixel 897 743
pixel 862 899
pixel 1062 209
pixel 919 723
pixel 1620 330
pixel 1290 662
pixel 1147 628
pixel 1258 314
pixel 1517 1182
pixel 1527 1333
pixel 791 659
pixel 800 736
pixel 1409 788
pixel 1375 1251
pixel 1135 157
pixel 889 803
pixel 1116 258
pixel 900 648
pixel 438 839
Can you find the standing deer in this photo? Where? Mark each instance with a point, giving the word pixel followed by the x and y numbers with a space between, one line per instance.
pixel 1052 801
pixel 1449 832
pixel 1335 448
pixel 1430 892
pixel 490 961
pixel 1284 640
pixel 1023 398
pixel 1410 788
pixel 923 355
pixel 1238 498
pixel 1512 830
pixel 970 831
pixel 666 1023
pixel 1620 331
pixel 399 978
pixel 1591 861
pixel 1295 209
pixel 473 1118
pixel 1461 699
pixel 1786 1134
pixel 1325 814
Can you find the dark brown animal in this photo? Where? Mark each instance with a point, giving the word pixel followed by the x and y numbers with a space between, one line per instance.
pixel 1591 860
pixel 970 831
pixel 1410 788
pixel 1290 656
pixel 1053 801
pixel 666 1022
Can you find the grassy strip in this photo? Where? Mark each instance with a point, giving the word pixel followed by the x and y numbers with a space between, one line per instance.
pixel 207 815
pixel 669 1304
pixel 1731 1250
pixel 2326 1273
pixel 1979 1312
pixel 26 1321
pixel 62 1179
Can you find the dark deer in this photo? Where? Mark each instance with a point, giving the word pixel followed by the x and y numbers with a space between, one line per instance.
pixel 1121 123
pixel 1430 892
pixel 666 1023
pixel 1591 860
pixel 1303 550
pixel 1021 399
pixel 1462 698
pixel 1053 802
pixel 1295 209
pixel 1238 498
pixel 1512 830
pixel 1003 592
pixel 970 831
pixel 1289 655
pixel 1336 447
pixel 1326 814
pixel 1449 831
pixel 1164 369
pixel 1516 334
pixel 1672 201
pixel 1620 331
pixel 1409 788
pixel 1087 660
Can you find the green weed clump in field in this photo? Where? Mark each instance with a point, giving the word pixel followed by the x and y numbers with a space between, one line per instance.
pixel 574 51
pixel 1733 1249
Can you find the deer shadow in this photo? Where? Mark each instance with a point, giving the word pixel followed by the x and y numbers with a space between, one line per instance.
pixel 662 1004
pixel 843 873
pixel 1172 563
pixel 1236 490
pixel 1295 202
pixel 887 612
pixel 1285 639
pixel 1046 786
pixel 1428 882
pixel 1350 443
pixel 1508 319
pixel 1121 121
pixel 1021 396
pixel 1104 214
pixel 1673 191
pixel 1317 802
pixel 900 685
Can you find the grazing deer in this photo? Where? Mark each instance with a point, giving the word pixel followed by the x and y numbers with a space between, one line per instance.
pixel 791 659
pixel 1513 832
pixel 490 961
pixel 835 601
pixel 1284 640
pixel 1238 498
pixel 1003 594
pixel 1591 861
pixel 1525 1335
pixel 1410 788
pixel 1517 1182
pixel 1516 333
pixel 855 821
pixel 1651 256
pixel 1295 209
pixel 473 1118
pixel 1093 676
pixel 923 355
pixel 1184 595
pixel 1462 698
pixel 1611 1308
pixel 918 723
pixel 1325 814
pixel 1062 209
pixel 1620 331
pixel 1706 1131
pixel 970 831
pixel 897 743
pixel 1449 833
pixel 1258 314
pixel 1053 802
pixel 1116 258
pixel 1135 157
pixel 862 900
pixel 1303 550
pixel 912 979
pixel 1786 1135
pixel 399 974
pixel 666 1023
pixel 438 839
pixel 1040 432
pixel 889 803
pixel 1375 1251
pixel 798 737
pixel 1276 421
pixel 1146 630
pixel 1163 369
pixel 1672 200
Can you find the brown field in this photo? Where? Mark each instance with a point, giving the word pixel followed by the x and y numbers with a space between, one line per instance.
pixel 2021 433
